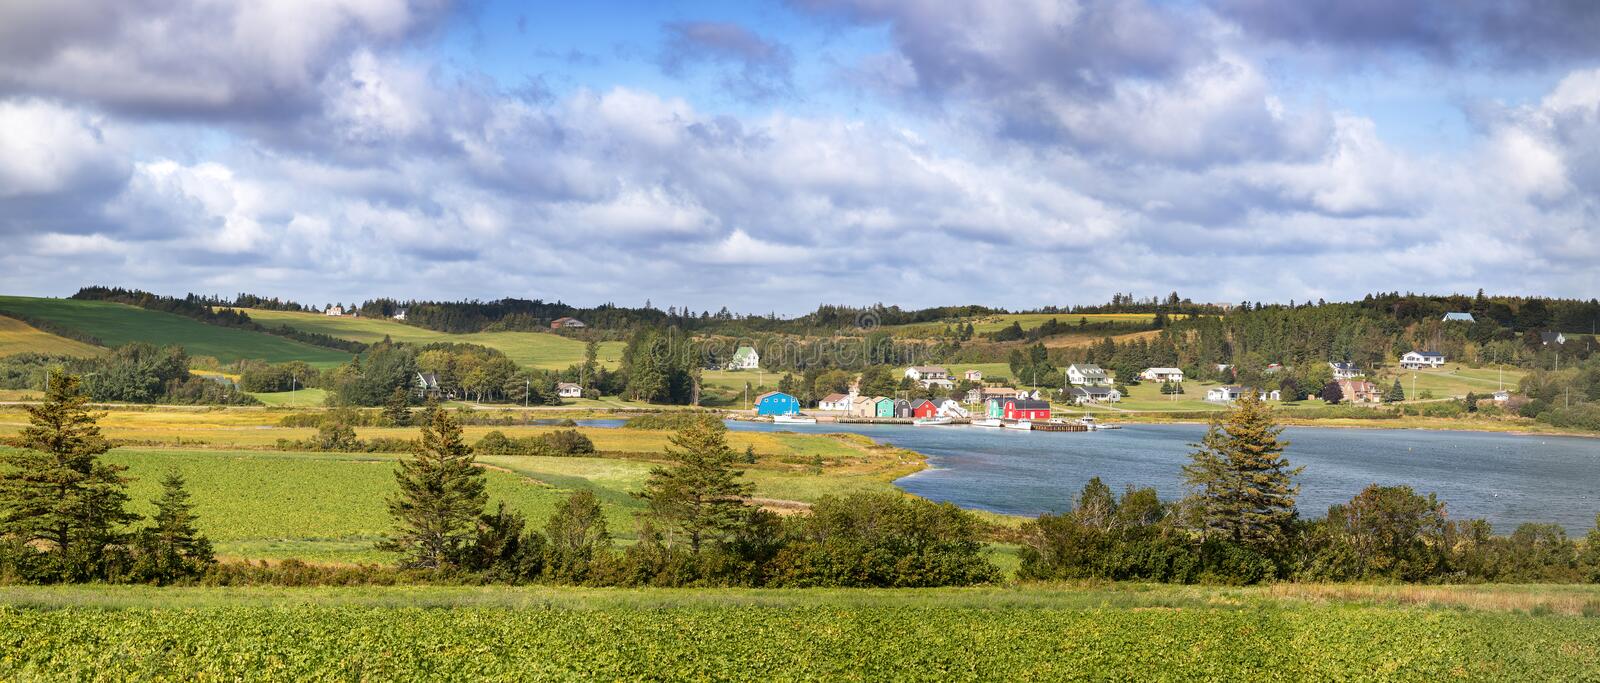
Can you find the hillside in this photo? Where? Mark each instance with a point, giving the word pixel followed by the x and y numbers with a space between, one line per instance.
pixel 117 324
pixel 19 337
pixel 993 323
pixel 530 349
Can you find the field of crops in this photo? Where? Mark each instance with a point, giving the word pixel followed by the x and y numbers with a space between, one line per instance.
pixel 19 337
pixel 530 349
pixel 708 634
pixel 115 324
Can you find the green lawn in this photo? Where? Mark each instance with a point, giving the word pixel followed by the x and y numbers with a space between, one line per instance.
pixel 529 349
pixel 115 324
pixel 1120 632
pixel 1452 380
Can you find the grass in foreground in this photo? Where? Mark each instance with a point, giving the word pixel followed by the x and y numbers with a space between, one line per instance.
pixel 1029 633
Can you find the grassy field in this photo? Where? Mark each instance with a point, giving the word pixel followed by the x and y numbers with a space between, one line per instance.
pixel 1452 380
pixel 258 503
pixel 294 399
pixel 19 337
pixel 116 324
pixel 1134 632
pixel 529 349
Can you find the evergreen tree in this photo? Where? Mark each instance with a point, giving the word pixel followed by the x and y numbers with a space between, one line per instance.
pixel 1395 394
pixel 578 538
pixel 57 493
pixel 699 497
pixel 172 548
pixel 398 408
pixel 1242 485
pixel 441 497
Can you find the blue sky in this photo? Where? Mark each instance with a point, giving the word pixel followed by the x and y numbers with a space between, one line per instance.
pixel 771 156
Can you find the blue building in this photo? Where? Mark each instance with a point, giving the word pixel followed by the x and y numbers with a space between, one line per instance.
pixel 777 403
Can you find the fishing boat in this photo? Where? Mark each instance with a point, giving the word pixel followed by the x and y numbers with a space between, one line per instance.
pixel 989 423
pixel 931 421
pixel 793 420
pixel 1023 425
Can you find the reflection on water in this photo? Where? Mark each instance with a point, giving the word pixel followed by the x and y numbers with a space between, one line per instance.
pixel 1503 478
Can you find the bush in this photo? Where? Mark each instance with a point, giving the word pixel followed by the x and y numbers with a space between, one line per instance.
pixel 883 540
pixel 568 442
pixel 668 421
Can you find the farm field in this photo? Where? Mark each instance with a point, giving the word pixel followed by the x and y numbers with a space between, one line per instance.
pixel 1133 632
pixel 529 349
pixel 301 398
pixel 116 324
pixel 19 337
pixel 329 507
pixel 1452 380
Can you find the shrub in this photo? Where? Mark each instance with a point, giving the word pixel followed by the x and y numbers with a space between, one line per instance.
pixel 567 442
pixel 885 540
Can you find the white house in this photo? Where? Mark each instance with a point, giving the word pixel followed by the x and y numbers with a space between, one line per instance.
pixel 1502 396
pixel 1345 370
pixel 974 376
pixel 1224 394
pixel 930 376
pixel 1162 374
pixel 1093 394
pixel 952 408
pixel 399 315
pixel 745 358
pixel 569 390
pixel 1421 360
pixel 334 311
pixel 1087 374
pixel 839 402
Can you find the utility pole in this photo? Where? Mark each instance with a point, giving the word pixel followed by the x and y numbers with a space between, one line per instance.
pixel 527 385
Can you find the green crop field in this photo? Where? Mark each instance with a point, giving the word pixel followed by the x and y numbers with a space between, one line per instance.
pixel 116 324
pixel 19 337
pixel 1025 633
pixel 529 349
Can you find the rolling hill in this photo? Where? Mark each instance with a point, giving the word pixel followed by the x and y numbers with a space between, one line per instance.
pixel 19 337
pixel 117 324
pixel 529 349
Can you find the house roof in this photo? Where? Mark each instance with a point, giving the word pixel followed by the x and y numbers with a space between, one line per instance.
pixel 1428 354
pixel 569 385
pixel 833 398
pixel 1030 404
pixel 770 393
pixel 918 403
pixel 1343 366
pixel 1165 370
pixel 745 351
pixel 1459 315
pixel 429 380
pixel 1088 369
pixel 1090 391
pixel 1548 336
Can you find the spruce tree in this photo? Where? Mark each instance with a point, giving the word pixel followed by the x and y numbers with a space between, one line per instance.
pixel 578 536
pixel 398 408
pixel 441 497
pixel 1396 393
pixel 56 492
pixel 1243 487
pixel 699 498
pixel 172 548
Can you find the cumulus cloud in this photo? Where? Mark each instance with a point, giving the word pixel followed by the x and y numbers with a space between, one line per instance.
pixel 196 58
pixel 764 68
pixel 1479 31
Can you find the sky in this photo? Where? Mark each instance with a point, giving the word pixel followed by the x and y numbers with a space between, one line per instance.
pixel 770 156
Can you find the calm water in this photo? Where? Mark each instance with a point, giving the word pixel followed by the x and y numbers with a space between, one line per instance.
pixel 1502 478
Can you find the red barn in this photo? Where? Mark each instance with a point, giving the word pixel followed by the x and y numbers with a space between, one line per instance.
pixel 1027 409
pixel 924 408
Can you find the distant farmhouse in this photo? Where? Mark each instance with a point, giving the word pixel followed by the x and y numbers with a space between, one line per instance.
pixel 1360 391
pixel 1345 370
pixel 1162 375
pixel 566 324
pixel 1231 393
pixel 1547 338
pixel 399 315
pixel 334 311
pixel 1421 360
pixel 1458 317
pixel 745 358
pixel 569 390
pixel 930 376
pixel 425 385
pixel 1093 394
pixel 974 376
pixel 1086 374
